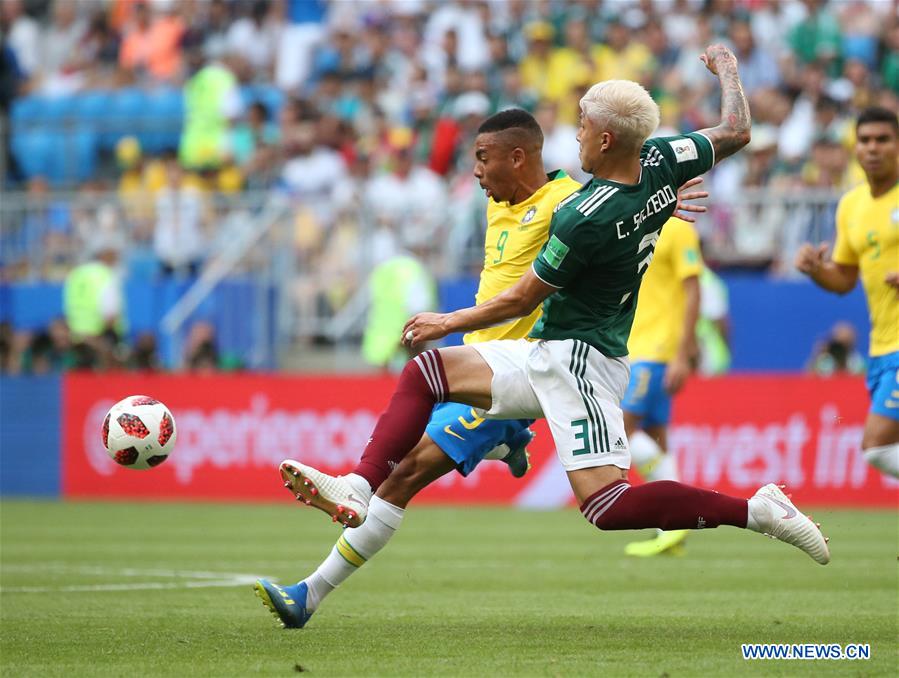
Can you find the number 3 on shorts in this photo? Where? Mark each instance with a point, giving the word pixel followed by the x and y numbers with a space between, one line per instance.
pixel 581 435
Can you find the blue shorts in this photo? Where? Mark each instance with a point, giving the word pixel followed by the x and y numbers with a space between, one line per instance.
pixel 646 396
pixel 883 385
pixel 465 437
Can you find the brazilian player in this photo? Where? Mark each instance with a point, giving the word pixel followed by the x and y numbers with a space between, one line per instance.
pixel 662 350
pixel 522 198
pixel 867 246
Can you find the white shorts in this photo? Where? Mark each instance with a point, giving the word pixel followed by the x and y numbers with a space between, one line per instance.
pixel 574 386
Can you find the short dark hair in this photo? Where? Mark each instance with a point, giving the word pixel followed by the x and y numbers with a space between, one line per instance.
pixel 878 114
pixel 515 120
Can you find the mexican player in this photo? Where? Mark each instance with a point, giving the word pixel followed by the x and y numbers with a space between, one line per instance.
pixel 573 368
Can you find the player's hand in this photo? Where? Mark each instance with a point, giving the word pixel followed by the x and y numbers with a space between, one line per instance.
pixel 683 209
pixel 810 258
pixel 425 327
pixel 676 375
pixel 715 54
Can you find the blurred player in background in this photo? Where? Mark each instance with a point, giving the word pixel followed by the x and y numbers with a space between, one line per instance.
pixel 522 197
pixel 867 246
pixel 663 352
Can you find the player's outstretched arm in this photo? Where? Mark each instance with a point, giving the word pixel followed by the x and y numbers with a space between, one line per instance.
pixel 733 132
pixel 515 302
pixel 826 273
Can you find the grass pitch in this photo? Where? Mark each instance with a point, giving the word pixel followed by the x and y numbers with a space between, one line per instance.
pixel 113 589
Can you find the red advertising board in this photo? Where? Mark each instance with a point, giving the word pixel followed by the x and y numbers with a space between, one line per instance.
pixel 730 434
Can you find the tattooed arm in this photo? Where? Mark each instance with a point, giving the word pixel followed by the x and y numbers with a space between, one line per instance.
pixel 732 133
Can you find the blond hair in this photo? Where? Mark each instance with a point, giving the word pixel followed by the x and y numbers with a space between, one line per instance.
pixel 624 108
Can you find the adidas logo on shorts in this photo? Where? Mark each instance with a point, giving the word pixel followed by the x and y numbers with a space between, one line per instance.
pixel 619 444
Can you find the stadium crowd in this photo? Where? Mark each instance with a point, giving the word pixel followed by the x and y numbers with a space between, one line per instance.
pixel 361 113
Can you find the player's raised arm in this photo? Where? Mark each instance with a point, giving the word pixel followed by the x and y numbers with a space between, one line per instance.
pixel 733 132
pixel 515 302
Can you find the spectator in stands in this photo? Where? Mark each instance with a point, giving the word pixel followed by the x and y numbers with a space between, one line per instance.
pixel 622 57
pixel 535 68
pixel 409 198
pixel 211 101
pixel 144 357
pixel 302 32
pixel 255 37
pixel 60 61
pixel 837 353
pixel 93 294
pixel 798 131
pixel 201 348
pixel 890 69
pixel 560 145
pixel 253 144
pixel 179 239
pixel 206 27
pixel 99 50
pixel 464 19
pixel 12 82
pixel 151 47
pixel 758 68
pixel 49 350
pixel 817 38
pixel 23 36
pixel 8 360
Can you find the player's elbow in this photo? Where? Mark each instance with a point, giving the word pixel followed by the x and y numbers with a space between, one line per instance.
pixel 742 137
pixel 520 307
pixel 845 287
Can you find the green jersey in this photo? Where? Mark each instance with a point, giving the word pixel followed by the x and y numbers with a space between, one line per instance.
pixel 602 239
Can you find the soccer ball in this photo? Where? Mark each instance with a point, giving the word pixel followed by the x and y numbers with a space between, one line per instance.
pixel 139 432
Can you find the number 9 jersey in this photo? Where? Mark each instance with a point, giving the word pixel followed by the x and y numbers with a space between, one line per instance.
pixel 515 234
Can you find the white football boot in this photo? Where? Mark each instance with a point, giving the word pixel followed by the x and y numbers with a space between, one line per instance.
pixel 778 518
pixel 345 501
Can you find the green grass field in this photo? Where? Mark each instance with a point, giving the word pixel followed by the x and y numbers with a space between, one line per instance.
pixel 96 589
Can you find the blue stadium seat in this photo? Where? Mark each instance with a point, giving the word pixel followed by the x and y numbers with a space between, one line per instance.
pixel 25 111
pixel 91 108
pixel 32 149
pixel 124 116
pixel 163 118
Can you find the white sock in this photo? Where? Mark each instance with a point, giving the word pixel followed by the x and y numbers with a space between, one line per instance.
pixel 651 460
pixel 884 458
pixel 354 548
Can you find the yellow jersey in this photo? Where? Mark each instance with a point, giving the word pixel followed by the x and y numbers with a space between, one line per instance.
pixel 659 320
pixel 868 237
pixel 515 234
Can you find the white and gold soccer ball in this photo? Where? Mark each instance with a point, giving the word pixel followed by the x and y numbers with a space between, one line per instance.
pixel 139 432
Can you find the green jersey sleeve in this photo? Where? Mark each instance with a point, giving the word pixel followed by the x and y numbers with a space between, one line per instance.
pixel 564 255
pixel 689 154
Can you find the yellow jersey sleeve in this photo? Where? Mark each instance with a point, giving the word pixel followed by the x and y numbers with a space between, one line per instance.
pixel 515 235
pixel 842 249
